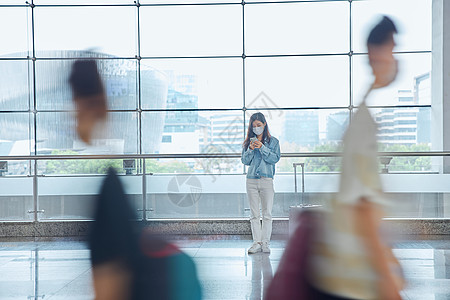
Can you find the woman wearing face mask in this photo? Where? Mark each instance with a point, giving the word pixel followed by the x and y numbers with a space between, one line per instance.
pixel 261 152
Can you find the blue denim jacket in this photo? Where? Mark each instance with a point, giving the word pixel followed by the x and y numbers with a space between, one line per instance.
pixel 262 161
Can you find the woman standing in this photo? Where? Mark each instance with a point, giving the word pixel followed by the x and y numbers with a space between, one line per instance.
pixel 261 152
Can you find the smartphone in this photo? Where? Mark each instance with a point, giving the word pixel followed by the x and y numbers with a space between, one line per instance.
pixel 253 139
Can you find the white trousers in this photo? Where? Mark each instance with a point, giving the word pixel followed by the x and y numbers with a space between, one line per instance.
pixel 260 191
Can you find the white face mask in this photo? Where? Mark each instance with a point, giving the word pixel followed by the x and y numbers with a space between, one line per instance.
pixel 258 130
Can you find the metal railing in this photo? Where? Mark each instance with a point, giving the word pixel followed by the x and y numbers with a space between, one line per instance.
pixel 208 155
pixel 143 173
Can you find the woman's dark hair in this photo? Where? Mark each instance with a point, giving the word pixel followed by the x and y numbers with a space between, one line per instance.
pixel 266 134
pixel 382 32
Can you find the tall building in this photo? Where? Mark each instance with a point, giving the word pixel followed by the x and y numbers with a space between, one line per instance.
pixel 337 123
pixel 180 134
pixel 301 128
pixel 422 89
pixel 398 125
pixel 422 94
pixel 227 132
pixel 407 126
pixel 55 122
pixel 205 132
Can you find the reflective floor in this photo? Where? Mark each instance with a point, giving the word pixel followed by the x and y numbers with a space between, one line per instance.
pixel 60 269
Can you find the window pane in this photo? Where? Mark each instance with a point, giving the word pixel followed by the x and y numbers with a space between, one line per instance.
pixel 250 1
pixel 14 2
pixel 403 129
pixel 191 30
pixel 53 90
pixel 418 205
pixel 110 30
pixel 297 81
pixel 413 79
pixel 173 205
pixel 16 198
pixel 181 196
pixel 187 1
pixel 202 196
pixel 297 28
pixel 15 85
pixel 413 24
pixel 15 138
pixel 196 196
pixel 14 34
pixel 191 83
pixel 192 132
pixel 307 130
pixel 73 197
pixel 117 136
pixel 80 2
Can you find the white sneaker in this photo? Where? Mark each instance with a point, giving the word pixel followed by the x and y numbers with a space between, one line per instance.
pixel 256 247
pixel 265 248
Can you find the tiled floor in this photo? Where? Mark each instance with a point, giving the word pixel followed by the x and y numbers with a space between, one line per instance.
pixel 225 270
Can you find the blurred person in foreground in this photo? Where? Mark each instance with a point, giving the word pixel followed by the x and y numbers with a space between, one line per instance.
pixel 350 259
pixel 129 262
pixel 346 257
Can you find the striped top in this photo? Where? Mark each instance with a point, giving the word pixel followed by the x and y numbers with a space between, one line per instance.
pixel 340 264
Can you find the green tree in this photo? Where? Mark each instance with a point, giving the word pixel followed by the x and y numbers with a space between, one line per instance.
pixel 312 164
pixel 324 164
pixel 80 166
pixel 408 163
pixel 333 164
pixel 101 166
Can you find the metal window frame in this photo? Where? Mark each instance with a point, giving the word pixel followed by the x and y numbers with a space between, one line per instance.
pixel 33 111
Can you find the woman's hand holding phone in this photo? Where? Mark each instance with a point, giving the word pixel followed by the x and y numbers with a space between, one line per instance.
pixel 252 142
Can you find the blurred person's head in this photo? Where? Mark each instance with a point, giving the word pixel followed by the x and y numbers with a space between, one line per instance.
pixel 89 97
pixel 380 45
pixel 257 126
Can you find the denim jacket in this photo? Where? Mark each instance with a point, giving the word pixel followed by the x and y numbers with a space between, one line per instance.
pixel 262 161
